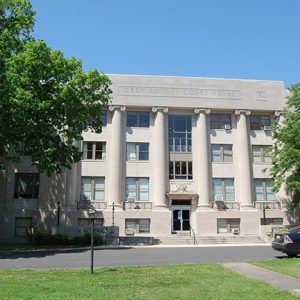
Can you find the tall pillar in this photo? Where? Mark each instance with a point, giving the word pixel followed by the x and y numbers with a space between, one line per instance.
pixel 243 153
pixel 160 159
pixel 202 173
pixel 115 156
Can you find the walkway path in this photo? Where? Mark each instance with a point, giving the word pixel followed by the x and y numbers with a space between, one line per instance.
pixel 283 282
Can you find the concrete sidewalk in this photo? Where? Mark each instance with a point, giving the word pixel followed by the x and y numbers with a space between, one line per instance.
pixel 278 280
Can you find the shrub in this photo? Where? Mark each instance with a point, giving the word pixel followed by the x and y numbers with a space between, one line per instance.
pixel 85 239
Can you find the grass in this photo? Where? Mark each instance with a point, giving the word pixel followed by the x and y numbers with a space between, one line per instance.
pixel 211 281
pixel 21 247
pixel 288 266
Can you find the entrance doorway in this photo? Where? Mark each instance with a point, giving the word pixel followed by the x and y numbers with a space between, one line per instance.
pixel 181 219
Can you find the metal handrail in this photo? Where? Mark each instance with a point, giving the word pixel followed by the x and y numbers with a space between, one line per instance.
pixel 192 232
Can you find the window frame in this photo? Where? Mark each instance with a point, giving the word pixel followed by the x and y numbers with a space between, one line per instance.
pixel 139 121
pixel 25 228
pixel 229 224
pixel 34 186
pixel 259 124
pixel 93 189
pixel 222 153
pixel 220 122
pixel 137 152
pixel 224 194
pixel 264 187
pixel 263 154
pixel 138 190
pixel 137 225
pixel 94 150
pixel 188 175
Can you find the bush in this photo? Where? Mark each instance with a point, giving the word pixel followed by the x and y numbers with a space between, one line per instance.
pixel 46 238
pixel 85 240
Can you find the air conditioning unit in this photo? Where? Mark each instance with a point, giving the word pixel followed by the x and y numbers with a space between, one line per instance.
pixel 235 230
pixel 267 128
pixel 227 127
pixel 129 231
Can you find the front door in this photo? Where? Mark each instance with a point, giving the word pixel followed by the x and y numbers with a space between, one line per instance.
pixel 181 219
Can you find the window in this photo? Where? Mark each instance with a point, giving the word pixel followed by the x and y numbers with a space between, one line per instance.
pixel 221 153
pixel 22 225
pixel 180 170
pixel 264 190
pixel 137 119
pixel 257 122
pixel 271 221
pixel 92 188
pixel 180 133
pixel 261 154
pixel 104 117
pixel 223 189
pixel 138 225
pixel 227 225
pixel 137 189
pixel 87 222
pixel 137 151
pixel 27 185
pixel 218 121
pixel 94 150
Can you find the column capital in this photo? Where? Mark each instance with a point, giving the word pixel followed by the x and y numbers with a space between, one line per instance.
pixel 156 108
pixel 238 112
pixel 114 107
pixel 278 113
pixel 202 110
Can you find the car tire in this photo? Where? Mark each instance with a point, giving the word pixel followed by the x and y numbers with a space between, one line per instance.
pixel 291 254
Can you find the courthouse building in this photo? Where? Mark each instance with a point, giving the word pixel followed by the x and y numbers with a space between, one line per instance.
pixel 176 154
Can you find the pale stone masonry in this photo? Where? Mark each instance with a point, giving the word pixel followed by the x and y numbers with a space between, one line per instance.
pixel 175 153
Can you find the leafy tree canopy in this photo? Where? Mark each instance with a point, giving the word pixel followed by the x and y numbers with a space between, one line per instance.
pixel 46 100
pixel 286 159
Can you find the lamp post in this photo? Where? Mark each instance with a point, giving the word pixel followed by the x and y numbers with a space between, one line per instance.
pixel 113 214
pixel 58 212
pixel 264 212
pixel 92 214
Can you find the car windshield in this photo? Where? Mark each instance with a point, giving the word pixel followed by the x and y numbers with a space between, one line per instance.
pixel 295 229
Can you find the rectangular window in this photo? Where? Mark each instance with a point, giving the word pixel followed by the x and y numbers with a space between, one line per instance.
pixel 227 225
pixel 264 190
pixel 221 153
pixel 223 189
pixel 137 189
pixel 138 119
pixel 180 133
pixel 92 188
pixel 260 122
pixel 27 185
pixel 94 150
pixel 220 121
pixel 138 225
pixel 262 154
pixel 271 221
pixel 22 225
pixel 104 117
pixel 137 151
pixel 180 170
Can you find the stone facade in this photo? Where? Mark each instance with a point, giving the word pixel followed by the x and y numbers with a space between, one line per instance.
pixel 216 198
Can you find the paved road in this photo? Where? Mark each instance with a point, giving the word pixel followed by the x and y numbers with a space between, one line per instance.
pixel 134 256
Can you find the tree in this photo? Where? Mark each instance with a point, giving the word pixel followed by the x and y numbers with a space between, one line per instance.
pixel 46 100
pixel 286 159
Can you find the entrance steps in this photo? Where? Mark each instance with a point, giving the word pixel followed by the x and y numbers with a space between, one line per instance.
pixel 183 239
pixel 202 240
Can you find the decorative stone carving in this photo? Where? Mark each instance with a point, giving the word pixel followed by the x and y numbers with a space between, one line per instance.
pixel 204 110
pixel 181 188
pixel 164 109
pixel 242 111
pixel 114 107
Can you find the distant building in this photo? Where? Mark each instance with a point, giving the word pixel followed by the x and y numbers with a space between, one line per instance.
pixel 176 154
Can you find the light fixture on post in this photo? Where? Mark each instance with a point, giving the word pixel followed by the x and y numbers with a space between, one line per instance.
pixel 264 213
pixel 92 215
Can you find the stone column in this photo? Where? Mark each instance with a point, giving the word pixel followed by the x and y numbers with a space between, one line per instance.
pixel 244 160
pixel 115 163
pixel 202 174
pixel 159 157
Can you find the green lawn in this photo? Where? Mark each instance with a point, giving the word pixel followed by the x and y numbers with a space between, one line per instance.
pixel 211 281
pixel 288 266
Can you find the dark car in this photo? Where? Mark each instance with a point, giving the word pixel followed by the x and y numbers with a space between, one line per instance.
pixel 288 242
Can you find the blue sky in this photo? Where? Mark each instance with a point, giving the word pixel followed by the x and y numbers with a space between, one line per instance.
pixel 250 39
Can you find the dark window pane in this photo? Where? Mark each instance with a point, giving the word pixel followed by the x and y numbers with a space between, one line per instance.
pixel 104 117
pixel 131 119
pixel 144 119
pixel 183 168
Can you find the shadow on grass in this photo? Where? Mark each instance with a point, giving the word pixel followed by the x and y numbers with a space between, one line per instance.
pixel 50 252
pixel 286 257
